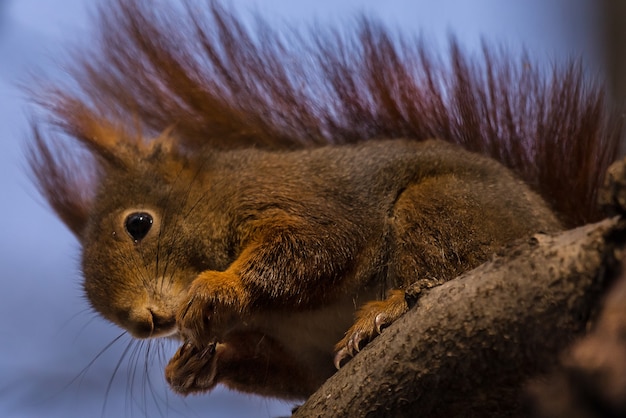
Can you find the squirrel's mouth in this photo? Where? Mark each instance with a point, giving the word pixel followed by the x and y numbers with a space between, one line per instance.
pixel 142 332
pixel 166 329
pixel 147 323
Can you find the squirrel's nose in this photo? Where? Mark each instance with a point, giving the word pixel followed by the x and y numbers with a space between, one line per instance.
pixel 149 323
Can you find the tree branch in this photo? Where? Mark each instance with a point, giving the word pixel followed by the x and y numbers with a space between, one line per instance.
pixel 469 346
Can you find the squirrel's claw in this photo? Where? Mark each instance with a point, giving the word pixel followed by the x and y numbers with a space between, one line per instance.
pixel 358 337
pixel 357 341
pixel 371 320
pixel 192 369
pixel 341 357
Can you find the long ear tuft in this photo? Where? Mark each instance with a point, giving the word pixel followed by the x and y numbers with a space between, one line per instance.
pixel 109 139
pixel 65 177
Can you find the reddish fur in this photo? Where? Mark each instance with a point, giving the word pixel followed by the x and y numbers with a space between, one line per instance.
pixel 223 85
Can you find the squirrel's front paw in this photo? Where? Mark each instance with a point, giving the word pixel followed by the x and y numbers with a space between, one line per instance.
pixel 214 301
pixel 192 369
pixel 372 318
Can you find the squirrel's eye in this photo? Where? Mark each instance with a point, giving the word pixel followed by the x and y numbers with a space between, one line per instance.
pixel 138 225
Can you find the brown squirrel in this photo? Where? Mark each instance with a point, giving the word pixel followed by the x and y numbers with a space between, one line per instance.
pixel 293 201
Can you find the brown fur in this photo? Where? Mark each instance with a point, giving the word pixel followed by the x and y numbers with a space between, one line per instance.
pixel 281 199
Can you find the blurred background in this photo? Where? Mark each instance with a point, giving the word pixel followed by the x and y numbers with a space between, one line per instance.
pixel 57 358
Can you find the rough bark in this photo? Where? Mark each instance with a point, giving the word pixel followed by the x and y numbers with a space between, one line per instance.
pixel 591 382
pixel 469 346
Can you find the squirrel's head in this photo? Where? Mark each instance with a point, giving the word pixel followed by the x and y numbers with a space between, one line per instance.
pixel 142 242
pixel 136 217
pixel 134 269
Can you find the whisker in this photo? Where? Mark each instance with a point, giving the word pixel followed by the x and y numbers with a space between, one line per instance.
pixel 76 315
pixel 130 344
pixel 84 370
pixel 181 204
pixel 190 186
pixel 82 373
pixel 166 208
pixel 150 386
pixel 131 373
pixel 92 317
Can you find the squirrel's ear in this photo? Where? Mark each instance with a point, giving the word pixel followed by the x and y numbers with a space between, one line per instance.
pixel 63 178
pixel 67 173
pixel 110 143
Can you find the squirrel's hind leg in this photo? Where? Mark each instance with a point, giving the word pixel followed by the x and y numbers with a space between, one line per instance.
pixel 437 230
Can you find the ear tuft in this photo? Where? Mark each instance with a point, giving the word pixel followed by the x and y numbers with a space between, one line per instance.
pixel 64 177
pixel 111 143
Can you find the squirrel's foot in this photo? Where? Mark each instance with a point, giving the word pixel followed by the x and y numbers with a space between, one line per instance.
pixel 215 299
pixel 372 318
pixel 192 370
pixel 375 316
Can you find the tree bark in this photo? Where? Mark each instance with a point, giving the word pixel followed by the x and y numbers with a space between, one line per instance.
pixel 469 347
pixel 591 382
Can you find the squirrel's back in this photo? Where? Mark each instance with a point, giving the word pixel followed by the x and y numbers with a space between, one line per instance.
pixel 366 175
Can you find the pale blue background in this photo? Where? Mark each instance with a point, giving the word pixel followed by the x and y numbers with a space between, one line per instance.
pixel 48 336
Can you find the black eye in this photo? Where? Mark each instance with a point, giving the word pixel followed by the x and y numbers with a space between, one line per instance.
pixel 138 225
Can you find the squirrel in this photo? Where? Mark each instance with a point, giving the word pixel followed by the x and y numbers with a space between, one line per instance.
pixel 274 202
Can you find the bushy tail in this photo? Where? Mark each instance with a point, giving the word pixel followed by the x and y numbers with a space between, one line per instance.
pixel 224 82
